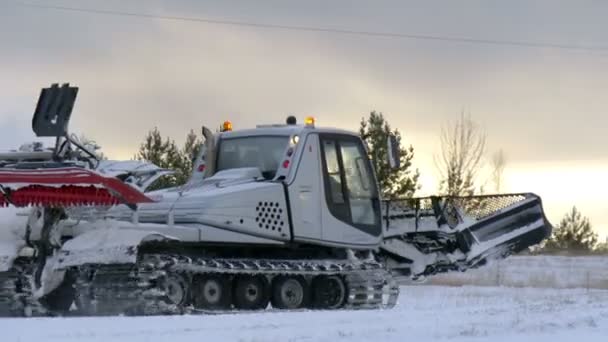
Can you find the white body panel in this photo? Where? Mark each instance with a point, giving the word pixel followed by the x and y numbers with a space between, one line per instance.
pixel 231 207
pixel 254 208
pixel 104 246
pixel 342 234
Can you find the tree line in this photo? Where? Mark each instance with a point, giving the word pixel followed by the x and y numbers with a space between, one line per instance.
pixel 458 163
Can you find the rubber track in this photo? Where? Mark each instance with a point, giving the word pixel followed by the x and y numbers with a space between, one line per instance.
pixel 16 295
pixel 10 305
pixel 112 289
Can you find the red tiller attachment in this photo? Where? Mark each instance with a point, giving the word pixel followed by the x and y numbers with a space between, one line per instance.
pixel 64 187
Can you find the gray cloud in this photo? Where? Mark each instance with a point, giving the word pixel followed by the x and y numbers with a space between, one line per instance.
pixel 537 103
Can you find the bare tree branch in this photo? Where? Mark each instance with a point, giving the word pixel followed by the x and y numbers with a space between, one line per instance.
pixel 463 145
pixel 498 167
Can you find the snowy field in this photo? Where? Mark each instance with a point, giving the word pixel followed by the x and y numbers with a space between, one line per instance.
pixel 589 272
pixel 425 313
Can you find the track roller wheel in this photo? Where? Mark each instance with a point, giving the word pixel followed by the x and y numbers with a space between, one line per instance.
pixel 290 292
pixel 212 292
pixel 176 288
pixel 329 292
pixel 251 293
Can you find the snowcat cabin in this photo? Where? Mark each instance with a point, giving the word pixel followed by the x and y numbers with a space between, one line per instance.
pixel 326 173
pixel 333 190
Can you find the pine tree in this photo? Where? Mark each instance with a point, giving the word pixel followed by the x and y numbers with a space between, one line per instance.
pixel 393 183
pixel 153 149
pixel 187 154
pixel 164 153
pixel 574 233
pixel 602 248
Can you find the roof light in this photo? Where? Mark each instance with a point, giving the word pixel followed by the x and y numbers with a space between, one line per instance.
pixel 309 121
pixel 227 126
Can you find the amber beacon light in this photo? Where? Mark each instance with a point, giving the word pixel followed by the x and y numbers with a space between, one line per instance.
pixel 227 126
pixel 309 121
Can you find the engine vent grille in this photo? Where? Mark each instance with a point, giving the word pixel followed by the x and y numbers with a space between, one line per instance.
pixel 270 216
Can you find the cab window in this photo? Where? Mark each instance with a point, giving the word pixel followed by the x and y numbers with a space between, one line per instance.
pixel 263 152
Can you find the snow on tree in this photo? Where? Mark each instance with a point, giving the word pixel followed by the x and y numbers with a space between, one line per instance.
pixel 91 145
pixel 403 182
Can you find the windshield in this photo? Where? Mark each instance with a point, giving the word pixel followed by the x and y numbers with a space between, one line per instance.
pixel 263 152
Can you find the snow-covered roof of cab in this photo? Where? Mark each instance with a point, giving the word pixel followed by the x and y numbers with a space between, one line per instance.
pixel 286 130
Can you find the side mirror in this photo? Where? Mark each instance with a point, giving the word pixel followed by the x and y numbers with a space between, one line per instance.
pixel 394 152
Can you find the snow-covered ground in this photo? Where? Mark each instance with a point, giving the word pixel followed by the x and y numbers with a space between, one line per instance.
pixel 12 227
pixel 534 271
pixel 424 313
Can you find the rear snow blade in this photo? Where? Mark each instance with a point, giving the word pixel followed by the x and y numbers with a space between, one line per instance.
pixel 64 187
pixel 499 231
pixel 463 232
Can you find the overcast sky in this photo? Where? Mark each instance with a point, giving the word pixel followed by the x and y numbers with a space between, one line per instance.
pixel 546 108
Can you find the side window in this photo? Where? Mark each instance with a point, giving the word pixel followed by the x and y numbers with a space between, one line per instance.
pixel 350 188
pixel 334 181
pixel 333 171
pixel 361 196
